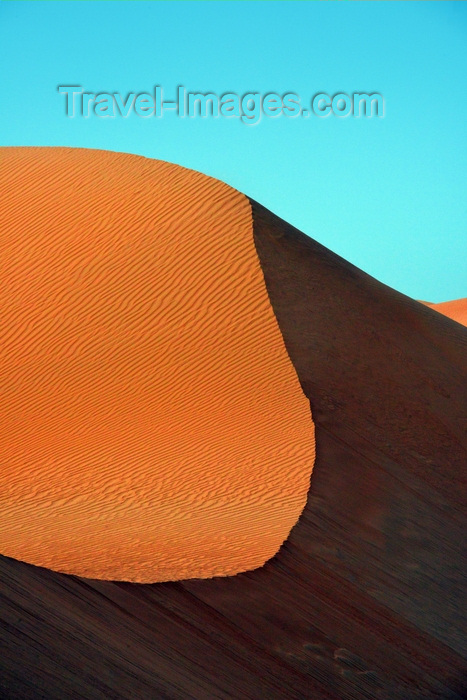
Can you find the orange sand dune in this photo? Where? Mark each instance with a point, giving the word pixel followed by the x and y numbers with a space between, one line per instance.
pixel 457 309
pixel 152 425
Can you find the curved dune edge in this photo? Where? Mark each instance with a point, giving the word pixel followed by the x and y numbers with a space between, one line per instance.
pixel 455 309
pixel 367 599
pixel 153 426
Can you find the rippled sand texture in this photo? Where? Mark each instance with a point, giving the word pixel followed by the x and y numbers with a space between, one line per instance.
pixel 152 425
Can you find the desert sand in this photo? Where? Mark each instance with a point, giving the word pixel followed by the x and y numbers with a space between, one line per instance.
pixel 366 598
pixel 456 309
pixel 152 424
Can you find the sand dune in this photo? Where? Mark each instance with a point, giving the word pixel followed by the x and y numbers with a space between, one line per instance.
pixel 366 598
pixel 153 426
pixel 456 309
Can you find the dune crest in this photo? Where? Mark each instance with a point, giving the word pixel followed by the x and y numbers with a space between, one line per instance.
pixel 153 425
pixel 366 600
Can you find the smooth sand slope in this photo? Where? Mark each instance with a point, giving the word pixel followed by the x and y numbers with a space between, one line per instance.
pixel 152 425
pixel 456 309
pixel 366 598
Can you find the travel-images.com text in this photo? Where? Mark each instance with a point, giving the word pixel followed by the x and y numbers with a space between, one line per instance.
pixel 248 107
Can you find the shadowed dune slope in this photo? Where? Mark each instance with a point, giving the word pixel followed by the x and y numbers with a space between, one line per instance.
pixel 456 309
pixel 366 598
pixel 152 425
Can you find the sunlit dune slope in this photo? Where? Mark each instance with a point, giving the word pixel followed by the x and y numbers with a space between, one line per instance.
pixel 152 425
pixel 456 309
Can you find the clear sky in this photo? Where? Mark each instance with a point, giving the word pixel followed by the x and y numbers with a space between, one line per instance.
pixel 387 194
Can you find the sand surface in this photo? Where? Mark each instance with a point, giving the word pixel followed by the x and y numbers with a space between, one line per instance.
pixel 152 424
pixel 456 309
pixel 366 598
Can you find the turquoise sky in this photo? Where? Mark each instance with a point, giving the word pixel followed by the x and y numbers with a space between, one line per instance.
pixel 387 194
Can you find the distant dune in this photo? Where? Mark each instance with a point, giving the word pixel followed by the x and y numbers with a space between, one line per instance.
pixel 140 447
pixel 457 309
pixel 153 426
